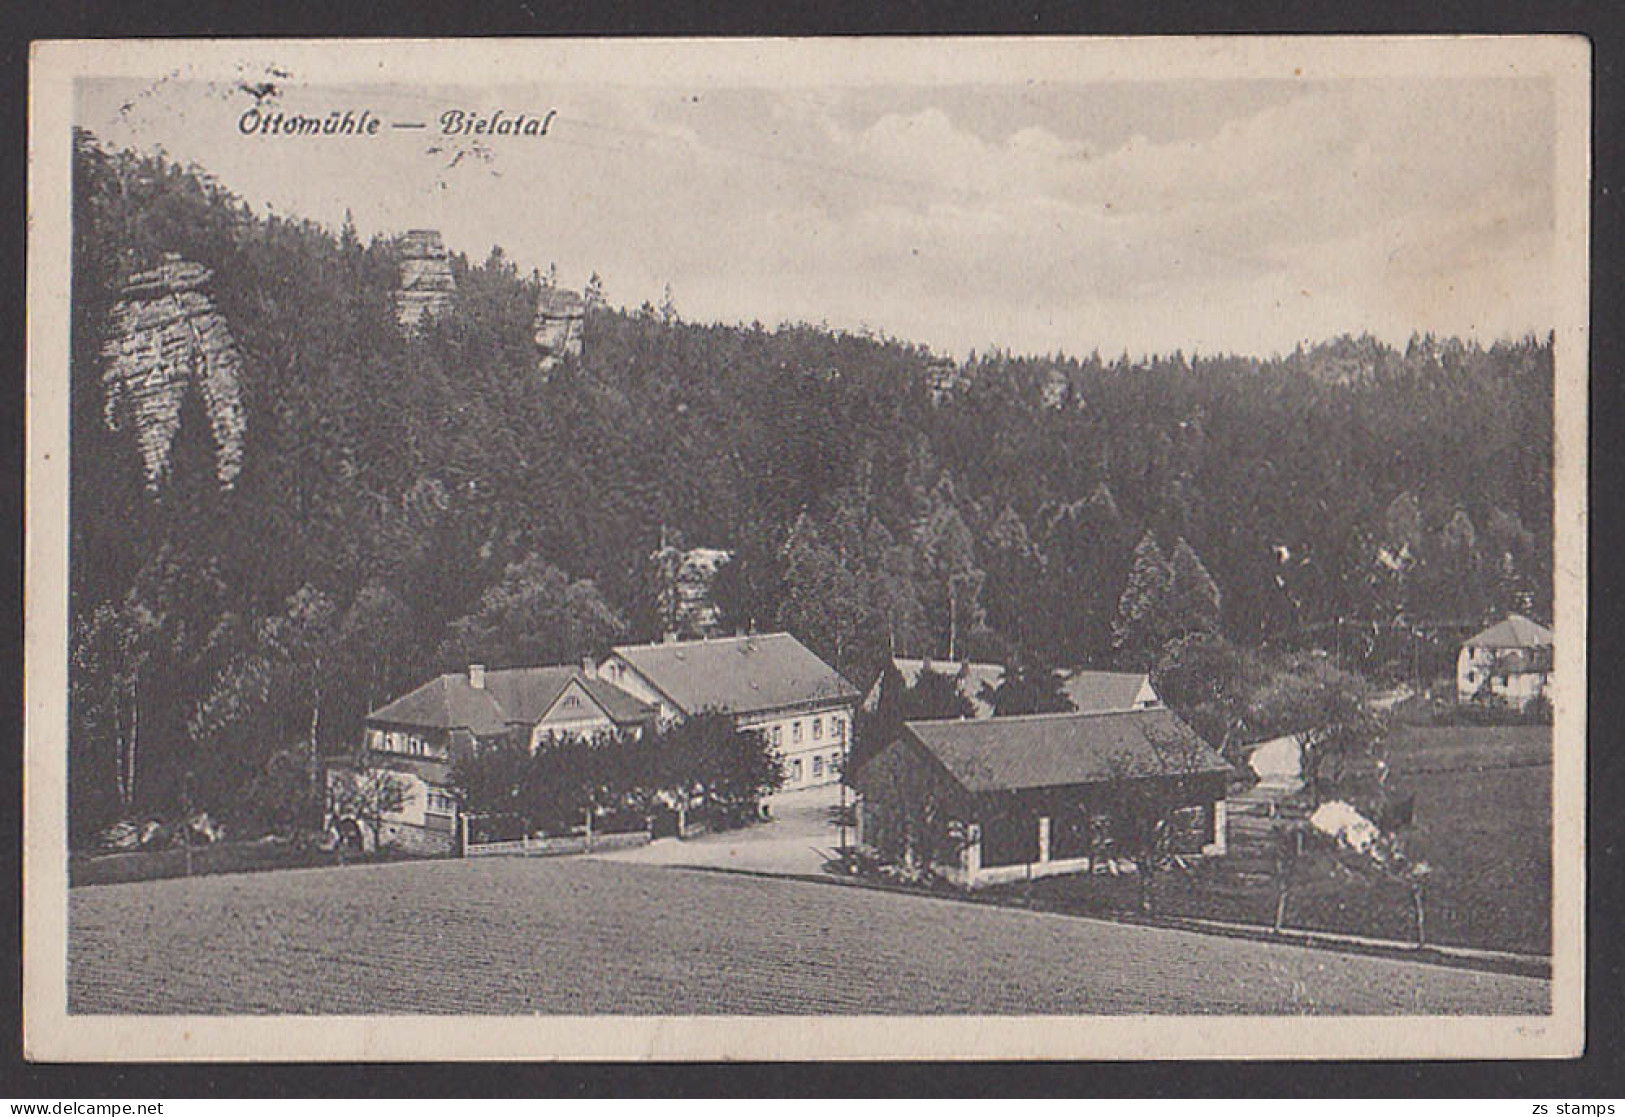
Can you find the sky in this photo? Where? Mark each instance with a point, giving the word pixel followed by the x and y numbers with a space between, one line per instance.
pixel 1231 215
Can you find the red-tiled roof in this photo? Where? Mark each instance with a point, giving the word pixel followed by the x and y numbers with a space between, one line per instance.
pixel 1517 631
pixel 738 675
pixel 1060 750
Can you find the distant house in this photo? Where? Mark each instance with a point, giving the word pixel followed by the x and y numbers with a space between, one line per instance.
pixel 1089 691
pixel 1508 663
pixel 419 736
pixel 1109 690
pixel 770 683
pixel 973 679
pixel 985 801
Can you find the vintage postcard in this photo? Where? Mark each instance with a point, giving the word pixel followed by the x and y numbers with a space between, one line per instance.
pixel 794 549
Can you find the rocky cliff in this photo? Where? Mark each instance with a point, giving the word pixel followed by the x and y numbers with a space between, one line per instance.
pixel 560 317
pixel 427 284
pixel 164 336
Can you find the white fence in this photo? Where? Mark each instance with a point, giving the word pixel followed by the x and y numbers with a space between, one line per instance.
pixel 556 847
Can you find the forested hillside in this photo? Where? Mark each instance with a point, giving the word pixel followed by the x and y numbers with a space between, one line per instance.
pixel 324 509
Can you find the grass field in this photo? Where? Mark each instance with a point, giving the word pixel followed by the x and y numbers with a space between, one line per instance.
pixel 1483 824
pixel 507 936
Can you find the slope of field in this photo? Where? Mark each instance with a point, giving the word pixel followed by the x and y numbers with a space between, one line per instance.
pixel 505 936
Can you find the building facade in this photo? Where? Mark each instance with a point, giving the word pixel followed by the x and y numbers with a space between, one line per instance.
pixel 991 801
pixel 770 683
pixel 1509 663
pixel 417 738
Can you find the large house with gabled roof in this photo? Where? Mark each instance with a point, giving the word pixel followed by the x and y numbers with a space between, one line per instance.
pixel 1509 663
pixel 419 736
pixel 771 683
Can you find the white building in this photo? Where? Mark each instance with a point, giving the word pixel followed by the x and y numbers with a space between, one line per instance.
pixel 1508 663
pixel 770 683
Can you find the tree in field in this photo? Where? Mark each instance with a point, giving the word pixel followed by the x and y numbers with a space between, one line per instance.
pixel 1143 624
pixel 367 796
pixel 1343 742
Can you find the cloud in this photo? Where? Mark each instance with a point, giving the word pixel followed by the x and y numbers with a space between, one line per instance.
pixel 965 218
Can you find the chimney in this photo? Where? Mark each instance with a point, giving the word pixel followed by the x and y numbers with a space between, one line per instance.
pixel 476 676
pixel 589 667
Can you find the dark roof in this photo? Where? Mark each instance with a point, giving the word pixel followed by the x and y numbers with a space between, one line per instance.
pixel 738 675
pixel 1059 750
pixel 447 702
pixel 1517 631
pixel 1092 691
pixel 514 696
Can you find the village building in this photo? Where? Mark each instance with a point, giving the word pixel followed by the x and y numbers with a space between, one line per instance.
pixel 1092 691
pixel 988 801
pixel 1088 691
pixel 770 683
pixel 1509 663
pixel 419 736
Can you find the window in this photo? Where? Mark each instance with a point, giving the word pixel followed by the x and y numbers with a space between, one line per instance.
pixel 795 734
pixel 795 770
pixel 778 735
pixel 441 803
pixel 837 730
pixel 818 728
pixel 818 764
pixel 570 702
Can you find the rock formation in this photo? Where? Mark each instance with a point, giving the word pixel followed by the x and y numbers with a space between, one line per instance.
pixel 427 284
pixel 165 336
pixel 560 318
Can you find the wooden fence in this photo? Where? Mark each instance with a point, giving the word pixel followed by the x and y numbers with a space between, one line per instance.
pixel 556 847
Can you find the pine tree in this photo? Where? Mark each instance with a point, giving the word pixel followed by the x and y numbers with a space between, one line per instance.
pixel 1194 600
pixel 948 553
pixel 1142 611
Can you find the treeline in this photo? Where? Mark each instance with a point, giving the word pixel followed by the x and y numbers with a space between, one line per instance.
pixel 406 504
pixel 701 765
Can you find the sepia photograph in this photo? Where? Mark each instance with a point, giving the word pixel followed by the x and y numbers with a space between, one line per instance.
pixel 762 549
